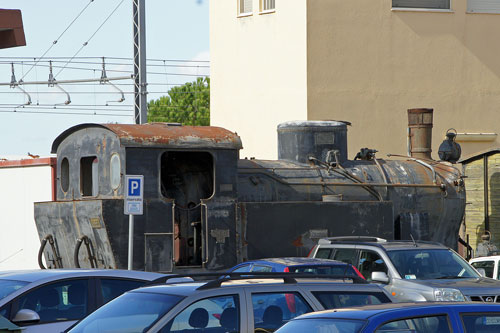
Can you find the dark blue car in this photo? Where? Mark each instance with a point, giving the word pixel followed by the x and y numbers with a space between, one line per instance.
pixel 421 317
pixel 298 265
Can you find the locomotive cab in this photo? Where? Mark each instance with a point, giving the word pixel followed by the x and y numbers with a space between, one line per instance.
pixel 189 185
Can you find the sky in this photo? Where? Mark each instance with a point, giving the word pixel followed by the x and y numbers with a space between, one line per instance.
pixel 177 42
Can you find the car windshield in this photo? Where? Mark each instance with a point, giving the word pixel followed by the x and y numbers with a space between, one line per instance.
pixel 7 287
pixel 131 312
pixel 330 270
pixel 322 326
pixel 431 264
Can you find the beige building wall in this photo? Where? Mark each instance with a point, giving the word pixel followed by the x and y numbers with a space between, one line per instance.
pixel 258 71
pixel 368 64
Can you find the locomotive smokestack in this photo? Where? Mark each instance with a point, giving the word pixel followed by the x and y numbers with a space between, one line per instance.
pixel 420 133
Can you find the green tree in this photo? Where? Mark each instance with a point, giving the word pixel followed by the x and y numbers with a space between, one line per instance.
pixel 188 104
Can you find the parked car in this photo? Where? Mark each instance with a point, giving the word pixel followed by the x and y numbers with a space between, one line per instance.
pixel 297 265
pixel 236 302
pixel 441 317
pixel 411 270
pixel 488 265
pixel 52 300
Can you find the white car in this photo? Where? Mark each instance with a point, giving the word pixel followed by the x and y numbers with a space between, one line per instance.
pixel 51 300
pixel 487 264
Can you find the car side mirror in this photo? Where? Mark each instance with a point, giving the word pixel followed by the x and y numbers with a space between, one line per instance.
pixel 380 277
pixel 481 271
pixel 26 316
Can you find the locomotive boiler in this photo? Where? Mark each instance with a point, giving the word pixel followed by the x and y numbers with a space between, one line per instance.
pixel 207 209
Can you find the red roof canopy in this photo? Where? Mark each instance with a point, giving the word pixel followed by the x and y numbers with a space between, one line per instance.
pixel 11 28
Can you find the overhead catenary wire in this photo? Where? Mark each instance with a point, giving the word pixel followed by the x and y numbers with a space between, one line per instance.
pixel 57 39
pixel 90 38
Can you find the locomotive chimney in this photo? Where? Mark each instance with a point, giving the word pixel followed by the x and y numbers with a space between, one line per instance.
pixel 420 133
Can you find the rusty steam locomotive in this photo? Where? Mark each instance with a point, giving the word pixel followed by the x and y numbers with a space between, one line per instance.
pixel 204 208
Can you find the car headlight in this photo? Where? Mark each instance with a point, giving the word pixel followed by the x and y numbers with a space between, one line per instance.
pixel 448 295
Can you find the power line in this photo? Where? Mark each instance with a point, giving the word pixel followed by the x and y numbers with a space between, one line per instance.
pixel 57 39
pixel 68 113
pixel 113 58
pixel 92 36
pixel 17 62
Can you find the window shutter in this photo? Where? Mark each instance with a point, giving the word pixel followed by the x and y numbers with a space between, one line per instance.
pixel 433 4
pixel 483 6
pixel 245 6
pixel 268 4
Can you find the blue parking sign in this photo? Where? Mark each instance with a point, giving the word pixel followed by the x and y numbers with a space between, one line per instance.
pixel 134 189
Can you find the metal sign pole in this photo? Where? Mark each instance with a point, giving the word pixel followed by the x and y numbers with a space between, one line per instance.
pixel 130 241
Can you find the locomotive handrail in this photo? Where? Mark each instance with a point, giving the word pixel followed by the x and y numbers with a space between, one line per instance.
pixel 58 260
pixel 205 248
pixel 340 184
pixel 90 251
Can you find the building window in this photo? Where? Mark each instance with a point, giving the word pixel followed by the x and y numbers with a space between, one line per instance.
pixel 483 6
pixel 267 5
pixel 424 4
pixel 245 7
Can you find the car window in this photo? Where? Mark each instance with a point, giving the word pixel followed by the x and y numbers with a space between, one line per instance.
pixel 323 253
pixel 217 314
pixel 66 300
pixel 488 267
pixel 339 269
pixel 5 311
pixel 369 262
pixel 7 287
pixel 346 255
pixel 481 322
pixel 322 326
pixel 242 269
pixel 272 310
pixel 131 312
pixel 112 288
pixel 342 299
pixel 437 324
pixel 261 268
pixel 431 264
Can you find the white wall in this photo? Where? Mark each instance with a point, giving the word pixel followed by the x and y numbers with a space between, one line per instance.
pixel 20 188
pixel 258 73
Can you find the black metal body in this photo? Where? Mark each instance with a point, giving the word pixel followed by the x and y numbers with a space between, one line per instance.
pixel 205 209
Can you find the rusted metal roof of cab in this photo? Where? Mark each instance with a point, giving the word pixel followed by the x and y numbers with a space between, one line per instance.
pixel 163 135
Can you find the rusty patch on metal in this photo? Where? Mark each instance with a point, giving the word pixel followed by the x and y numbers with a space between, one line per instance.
pixel 165 134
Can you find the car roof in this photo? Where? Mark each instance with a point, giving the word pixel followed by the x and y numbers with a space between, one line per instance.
pixel 40 275
pixel 485 258
pixel 262 279
pixel 296 261
pixel 368 311
pixel 388 245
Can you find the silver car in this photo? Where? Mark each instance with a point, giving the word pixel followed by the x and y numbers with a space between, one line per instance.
pixel 52 300
pixel 249 302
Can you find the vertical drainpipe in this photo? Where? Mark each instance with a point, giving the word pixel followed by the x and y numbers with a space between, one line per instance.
pixel 486 194
pixel 420 133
